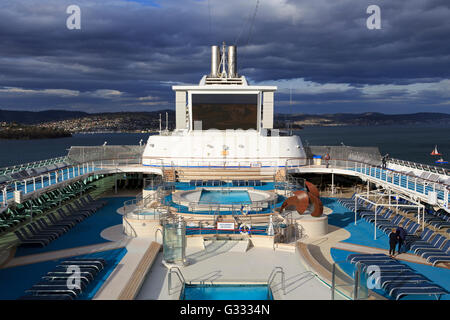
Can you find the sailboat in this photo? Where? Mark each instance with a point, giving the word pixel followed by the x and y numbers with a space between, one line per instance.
pixel 441 161
pixel 435 152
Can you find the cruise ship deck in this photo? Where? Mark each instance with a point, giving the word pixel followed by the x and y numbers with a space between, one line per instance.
pixel 223 208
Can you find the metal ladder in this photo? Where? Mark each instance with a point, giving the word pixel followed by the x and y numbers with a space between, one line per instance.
pixel 275 271
pixel 179 274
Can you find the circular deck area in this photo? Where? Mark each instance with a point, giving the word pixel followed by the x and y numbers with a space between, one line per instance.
pixel 224 199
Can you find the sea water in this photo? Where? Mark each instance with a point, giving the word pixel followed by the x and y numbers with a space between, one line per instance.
pixel 413 143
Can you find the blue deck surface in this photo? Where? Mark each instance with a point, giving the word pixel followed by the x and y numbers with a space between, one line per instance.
pixel 15 281
pixel 363 234
pixel 86 232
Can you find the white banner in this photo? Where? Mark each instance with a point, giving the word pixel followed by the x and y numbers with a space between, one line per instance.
pixel 225 226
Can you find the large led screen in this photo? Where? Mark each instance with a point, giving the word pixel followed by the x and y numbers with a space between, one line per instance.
pixel 224 111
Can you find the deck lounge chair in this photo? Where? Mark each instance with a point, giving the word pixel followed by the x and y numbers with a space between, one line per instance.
pixel 73 217
pixel 42 229
pixel 437 242
pixel 443 251
pixel 36 233
pixel 55 221
pixel 75 211
pixel 436 291
pixel 31 242
pixel 92 200
pixel 44 224
pixel 31 296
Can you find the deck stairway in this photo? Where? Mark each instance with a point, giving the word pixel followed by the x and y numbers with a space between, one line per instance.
pixel 169 175
pixel 224 174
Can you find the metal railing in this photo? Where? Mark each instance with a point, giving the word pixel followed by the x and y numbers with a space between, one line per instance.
pixel 401 181
pixel 179 274
pixel 46 180
pixel 275 271
pixel 350 284
pixel 31 165
pixel 420 166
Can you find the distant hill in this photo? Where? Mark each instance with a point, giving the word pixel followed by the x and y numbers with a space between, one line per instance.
pixel 298 120
pixel 34 117
pixel 362 119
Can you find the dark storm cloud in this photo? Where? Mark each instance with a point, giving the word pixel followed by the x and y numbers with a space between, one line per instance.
pixel 127 52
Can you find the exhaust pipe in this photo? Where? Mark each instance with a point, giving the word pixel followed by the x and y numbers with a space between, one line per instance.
pixel 215 61
pixel 232 62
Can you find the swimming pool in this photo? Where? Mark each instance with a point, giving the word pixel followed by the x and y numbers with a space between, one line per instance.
pixel 226 292
pixel 225 196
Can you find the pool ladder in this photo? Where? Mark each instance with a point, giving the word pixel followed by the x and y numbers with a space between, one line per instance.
pixel 275 271
pixel 179 274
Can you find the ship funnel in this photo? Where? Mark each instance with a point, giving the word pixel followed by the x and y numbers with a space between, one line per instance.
pixel 232 72
pixel 215 61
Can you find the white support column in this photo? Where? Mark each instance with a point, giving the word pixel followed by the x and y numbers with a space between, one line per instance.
pixel 368 186
pixel 267 107
pixel 423 218
pixel 375 226
pixel 332 184
pixel 180 110
pixel 356 207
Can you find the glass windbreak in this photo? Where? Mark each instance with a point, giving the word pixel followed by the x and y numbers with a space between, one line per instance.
pixel 349 281
pixel 174 242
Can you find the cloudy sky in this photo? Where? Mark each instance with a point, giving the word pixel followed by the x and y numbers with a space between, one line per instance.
pixel 319 53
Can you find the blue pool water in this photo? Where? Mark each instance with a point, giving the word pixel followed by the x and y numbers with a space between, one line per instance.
pixel 224 197
pixel 227 292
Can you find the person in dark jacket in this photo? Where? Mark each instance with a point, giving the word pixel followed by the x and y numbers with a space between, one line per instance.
pixel 393 240
pixel 401 233
pixel 327 159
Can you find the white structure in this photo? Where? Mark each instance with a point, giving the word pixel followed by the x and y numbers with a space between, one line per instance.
pixel 223 122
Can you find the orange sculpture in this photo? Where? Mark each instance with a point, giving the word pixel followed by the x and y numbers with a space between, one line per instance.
pixel 301 200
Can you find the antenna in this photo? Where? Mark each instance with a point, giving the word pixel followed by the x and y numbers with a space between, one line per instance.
pixel 223 74
pixel 160 123
pixel 167 120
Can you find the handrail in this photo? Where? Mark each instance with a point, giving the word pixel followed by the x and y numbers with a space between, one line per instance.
pixel 275 271
pixel 156 232
pixel 179 274
pixel 420 166
pixel 355 284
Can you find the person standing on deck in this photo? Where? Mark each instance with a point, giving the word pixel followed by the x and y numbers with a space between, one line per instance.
pixel 393 239
pixel 327 159
pixel 401 233
pixel 384 160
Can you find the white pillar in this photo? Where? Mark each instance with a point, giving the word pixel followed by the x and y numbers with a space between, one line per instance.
pixel 375 230
pixel 332 184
